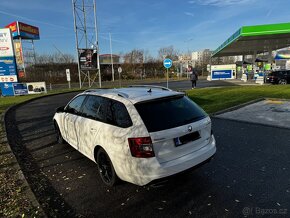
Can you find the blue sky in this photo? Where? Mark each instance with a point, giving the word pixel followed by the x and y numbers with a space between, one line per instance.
pixel 188 25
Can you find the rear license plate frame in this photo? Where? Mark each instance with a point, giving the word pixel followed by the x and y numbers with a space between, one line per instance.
pixel 179 141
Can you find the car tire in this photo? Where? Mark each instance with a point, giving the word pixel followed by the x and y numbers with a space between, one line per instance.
pixel 283 82
pixel 59 137
pixel 106 169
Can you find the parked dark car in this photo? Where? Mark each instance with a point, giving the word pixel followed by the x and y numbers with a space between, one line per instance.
pixel 279 77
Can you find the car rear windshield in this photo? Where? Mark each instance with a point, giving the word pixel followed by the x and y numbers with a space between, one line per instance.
pixel 168 113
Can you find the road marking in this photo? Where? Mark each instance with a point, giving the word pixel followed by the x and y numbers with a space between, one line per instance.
pixel 274 102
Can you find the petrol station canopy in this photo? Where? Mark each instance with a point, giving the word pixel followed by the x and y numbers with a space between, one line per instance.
pixel 249 40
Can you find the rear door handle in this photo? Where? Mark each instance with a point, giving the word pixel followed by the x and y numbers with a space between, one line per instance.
pixel 94 130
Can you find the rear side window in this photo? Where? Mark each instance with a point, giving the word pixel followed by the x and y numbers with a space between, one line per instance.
pixel 107 111
pixel 121 115
pixel 168 113
pixel 75 105
pixel 92 107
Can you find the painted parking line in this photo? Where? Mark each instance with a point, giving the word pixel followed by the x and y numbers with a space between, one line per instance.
pixel 270 101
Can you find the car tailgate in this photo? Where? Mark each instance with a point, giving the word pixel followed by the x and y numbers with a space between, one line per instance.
pixel 174 143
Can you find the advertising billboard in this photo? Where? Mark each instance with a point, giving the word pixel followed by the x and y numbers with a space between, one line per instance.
pixel 7 89
pixel 6 46
pixel 36 87
pixel 13 28
pixel 27 31
pixel 6 79
pixel 221 74
pixel 14 88
pixel 20 89
pixel 18 53
pixel 7 66
pixel 23 30
pixel 8 69
pixel 226 71
pixel 88 59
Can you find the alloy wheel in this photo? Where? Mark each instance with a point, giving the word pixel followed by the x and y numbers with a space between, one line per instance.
pixel 283 82
pixel 106 169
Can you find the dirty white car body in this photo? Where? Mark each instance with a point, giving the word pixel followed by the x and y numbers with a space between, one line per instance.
pixel 137 134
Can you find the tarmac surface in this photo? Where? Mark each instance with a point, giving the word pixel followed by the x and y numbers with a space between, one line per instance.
pixel 270 112
pixel 183 84
pixel 248 177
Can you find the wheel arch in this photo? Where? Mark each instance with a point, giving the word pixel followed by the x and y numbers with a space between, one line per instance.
pixel 55 124
pixel 116 176
pixel 96 149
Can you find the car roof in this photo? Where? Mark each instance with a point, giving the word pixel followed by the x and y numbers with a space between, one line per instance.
pixel 136 94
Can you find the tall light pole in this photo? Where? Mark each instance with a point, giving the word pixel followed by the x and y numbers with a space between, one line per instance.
pixel 113 77
pixel 97 44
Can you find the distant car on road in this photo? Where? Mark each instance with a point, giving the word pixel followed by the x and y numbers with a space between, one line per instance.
pixel 279 77
pixel 138 134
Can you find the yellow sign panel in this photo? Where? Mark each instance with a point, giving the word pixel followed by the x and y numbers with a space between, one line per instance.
pixel 18 52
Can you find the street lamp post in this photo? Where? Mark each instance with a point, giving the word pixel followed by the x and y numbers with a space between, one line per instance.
pixel 97 44
pixel 113 76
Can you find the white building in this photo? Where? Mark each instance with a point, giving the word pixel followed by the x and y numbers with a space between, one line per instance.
pixel 200 57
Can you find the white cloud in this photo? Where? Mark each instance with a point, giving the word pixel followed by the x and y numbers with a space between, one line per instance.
pixel 33 20
pixel 189 14
pixel 219 2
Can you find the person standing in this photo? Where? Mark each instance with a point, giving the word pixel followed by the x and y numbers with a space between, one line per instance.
pixel 193 78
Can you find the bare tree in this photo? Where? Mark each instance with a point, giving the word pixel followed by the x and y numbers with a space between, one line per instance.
pixel 51 68
pixel 136 56
pixel 54 58
pixel 168 52
pixel 133 63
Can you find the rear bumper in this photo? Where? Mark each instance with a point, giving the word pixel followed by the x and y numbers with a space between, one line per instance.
pixel 154 170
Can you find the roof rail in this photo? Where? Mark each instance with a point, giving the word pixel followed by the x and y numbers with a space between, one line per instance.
pixel 150 86
pixel 91 90
pixel 121 94
pixel 115 91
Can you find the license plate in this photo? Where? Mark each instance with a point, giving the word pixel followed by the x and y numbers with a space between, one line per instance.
pixel 186 138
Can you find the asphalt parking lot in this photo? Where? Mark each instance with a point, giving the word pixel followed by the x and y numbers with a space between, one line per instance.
pixel 249 175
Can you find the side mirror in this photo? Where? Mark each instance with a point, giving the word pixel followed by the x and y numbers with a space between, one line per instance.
pixel 60 109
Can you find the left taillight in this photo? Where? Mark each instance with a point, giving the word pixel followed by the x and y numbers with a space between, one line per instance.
pixel 141 147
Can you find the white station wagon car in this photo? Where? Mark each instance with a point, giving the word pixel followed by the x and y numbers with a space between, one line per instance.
pixel 137 134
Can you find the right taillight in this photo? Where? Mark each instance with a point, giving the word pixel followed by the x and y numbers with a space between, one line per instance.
pixel 141 147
